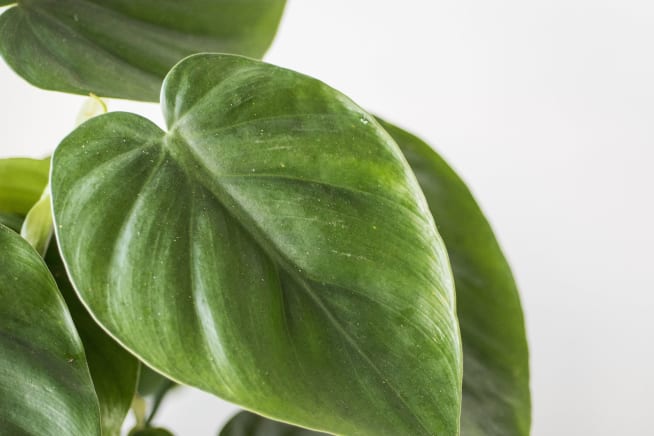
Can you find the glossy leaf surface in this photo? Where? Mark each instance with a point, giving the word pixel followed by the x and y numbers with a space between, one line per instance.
pixel 45 386
pixel 496 399
pixel 124 48
pixel 114 370
pixel 273 247
pixel 250 424
pixel 21 183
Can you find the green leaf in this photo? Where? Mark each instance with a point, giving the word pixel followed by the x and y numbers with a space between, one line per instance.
pixel 114 371
pixel 249 424
pixel 151 382
pixel 21 183
pixel 11 220
pixel 273 248
pixel 149 431
pixel 496 399
pixel 124 48
pixel 45 384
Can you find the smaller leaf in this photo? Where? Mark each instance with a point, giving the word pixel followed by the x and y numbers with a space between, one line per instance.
pixel 45 386
pixel 21 183
pixel 249 424
pixel 149 431
pixel 151 382
pixel 113 370
pixel 124 48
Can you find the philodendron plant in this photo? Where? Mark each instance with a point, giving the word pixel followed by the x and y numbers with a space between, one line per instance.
pixel 275 244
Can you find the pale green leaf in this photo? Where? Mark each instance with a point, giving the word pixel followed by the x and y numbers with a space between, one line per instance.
pixel 37 227
pixel 21 183
pixel 92 107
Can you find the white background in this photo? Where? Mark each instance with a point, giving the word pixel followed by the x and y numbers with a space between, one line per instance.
pixel 547 110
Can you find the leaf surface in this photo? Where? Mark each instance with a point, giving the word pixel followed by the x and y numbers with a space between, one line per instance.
pixel 21 183
pixel 124 48
pixel 273 248
pixel 496 398
pixel 45 384
pixel 11 220
pixel 113 369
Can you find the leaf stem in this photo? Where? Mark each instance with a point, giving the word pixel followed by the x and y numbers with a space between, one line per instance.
pixel 138 407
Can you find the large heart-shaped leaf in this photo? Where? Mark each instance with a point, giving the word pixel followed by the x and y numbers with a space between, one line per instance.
pixel 496 399
pixel 124 48
pixel 114 371
pixel 273 247
pixel 45 386
pixel 21 183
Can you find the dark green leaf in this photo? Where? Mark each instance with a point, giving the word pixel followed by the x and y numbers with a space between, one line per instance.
pixel 21 183
pixel 114 371
pixel 151 382
pixel 273 248
pixel 150 431
pixel 250 424
pixel 124 48
pixel 11 220
pixel 496 400
pixel 45 386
